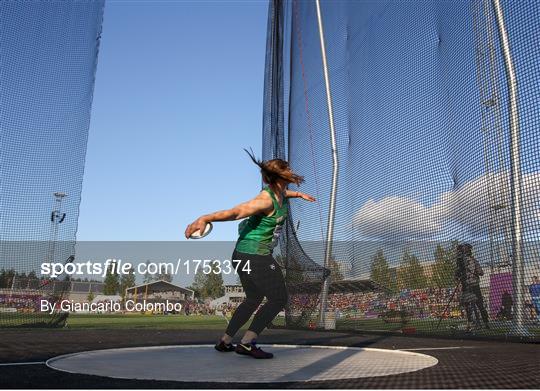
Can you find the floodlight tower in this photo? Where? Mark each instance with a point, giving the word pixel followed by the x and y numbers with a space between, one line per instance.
pixel 57 217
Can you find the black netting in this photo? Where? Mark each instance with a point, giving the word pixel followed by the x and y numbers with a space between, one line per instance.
pixel 48 57
pixel 424 110
pixel 303 275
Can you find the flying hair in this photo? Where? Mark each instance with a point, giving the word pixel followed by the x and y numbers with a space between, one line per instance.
pixel 275 169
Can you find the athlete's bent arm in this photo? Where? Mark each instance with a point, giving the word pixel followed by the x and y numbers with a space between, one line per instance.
pixel 297 194
pixel 260 204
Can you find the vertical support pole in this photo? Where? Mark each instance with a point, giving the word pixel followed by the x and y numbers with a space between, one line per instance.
pixel 515 175
pixel 335 166
pixel 13 284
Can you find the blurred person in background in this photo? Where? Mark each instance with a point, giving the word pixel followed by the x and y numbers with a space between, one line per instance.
pixel 468 272
pixel 534 290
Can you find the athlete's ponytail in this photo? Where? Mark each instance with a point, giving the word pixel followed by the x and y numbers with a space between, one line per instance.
pixel 272 170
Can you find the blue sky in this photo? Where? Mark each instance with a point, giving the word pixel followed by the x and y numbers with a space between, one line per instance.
pixel 178 94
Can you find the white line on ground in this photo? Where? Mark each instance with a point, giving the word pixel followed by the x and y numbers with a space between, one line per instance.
pixel 445 348
pixel 12 364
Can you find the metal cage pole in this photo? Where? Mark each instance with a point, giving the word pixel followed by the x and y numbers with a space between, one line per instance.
pixel 335 165
pixel 515 174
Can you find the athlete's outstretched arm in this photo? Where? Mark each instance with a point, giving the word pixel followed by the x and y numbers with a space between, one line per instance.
pixel 260 204
pixel 297 194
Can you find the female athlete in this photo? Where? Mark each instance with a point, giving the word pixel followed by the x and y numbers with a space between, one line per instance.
pixel 257 236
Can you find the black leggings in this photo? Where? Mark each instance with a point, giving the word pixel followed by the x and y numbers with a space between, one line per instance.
pixel 264 280
pixel 472 308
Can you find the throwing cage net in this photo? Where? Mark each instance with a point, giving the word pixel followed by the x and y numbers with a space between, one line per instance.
pixel 48 58
pixel 434 109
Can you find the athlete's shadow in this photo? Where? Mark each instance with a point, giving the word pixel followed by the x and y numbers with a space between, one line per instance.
pixel 331 340
pixel 324 364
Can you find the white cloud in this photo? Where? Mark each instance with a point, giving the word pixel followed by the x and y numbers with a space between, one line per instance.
pixel 396 218
pixel 469 208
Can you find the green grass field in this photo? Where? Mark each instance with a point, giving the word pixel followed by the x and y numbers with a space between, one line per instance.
pixel 115 321
pixel 447 327
pixel 179 322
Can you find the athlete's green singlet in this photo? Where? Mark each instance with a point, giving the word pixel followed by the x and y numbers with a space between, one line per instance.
pixel 259 234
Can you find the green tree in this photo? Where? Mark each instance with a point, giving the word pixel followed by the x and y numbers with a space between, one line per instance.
pixel 165 277
pixel 198 284
pixel 112 281
pixel 147 279
pixel 292 270
pixel 411 274
pixel 90 296
pixel 380 271
pixel 6 278
pixel 127 281
pixel 335 271
pixel 214 285
pixel 444 267
pixel 207 286
pixel 196 293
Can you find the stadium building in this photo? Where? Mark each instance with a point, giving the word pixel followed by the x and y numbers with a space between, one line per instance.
pixel 234 295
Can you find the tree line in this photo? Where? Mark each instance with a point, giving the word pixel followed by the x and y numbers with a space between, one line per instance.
pixel 8 276
pixel 205 286
pixel 410 274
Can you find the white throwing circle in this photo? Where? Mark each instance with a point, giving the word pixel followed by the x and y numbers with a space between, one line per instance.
pixel 201 363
